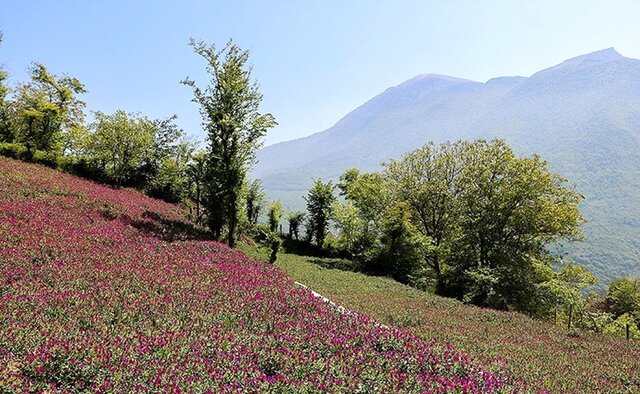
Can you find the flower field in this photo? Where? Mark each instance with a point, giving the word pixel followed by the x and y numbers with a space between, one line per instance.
pixel 105 290
pixel 542 356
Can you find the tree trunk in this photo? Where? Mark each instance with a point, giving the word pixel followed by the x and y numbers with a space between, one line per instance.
pixel 233 220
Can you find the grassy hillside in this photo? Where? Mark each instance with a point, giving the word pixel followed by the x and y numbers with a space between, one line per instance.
pixel 105 290
pixel 540 353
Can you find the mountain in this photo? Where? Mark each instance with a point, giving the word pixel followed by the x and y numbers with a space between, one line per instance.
pixel 582 115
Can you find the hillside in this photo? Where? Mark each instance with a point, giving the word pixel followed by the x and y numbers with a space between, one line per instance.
pixel 582 115
pixel 105 290
pixel 540 353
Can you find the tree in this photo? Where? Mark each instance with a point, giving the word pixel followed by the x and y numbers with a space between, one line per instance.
pixel 169 180
pixel 350 226
pixel 319 206
pixel 404 244
pixel 47 108
pixel 623 296
pixel 254 201
pixel 164 170
pixel 511 210
pixel 275 215
pixel 369 194
pixel 565 288
pixel 229 106
pixel 295 219
pixel 427 179
pixel 120 143
pixel 166 143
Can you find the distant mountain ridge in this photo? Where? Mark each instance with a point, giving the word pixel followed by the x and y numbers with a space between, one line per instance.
pixel 582 115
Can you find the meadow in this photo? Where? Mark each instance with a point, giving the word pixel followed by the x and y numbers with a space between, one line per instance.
pixel 541 354
pixel 106 290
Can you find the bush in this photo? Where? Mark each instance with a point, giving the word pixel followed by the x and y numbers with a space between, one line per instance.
pixel 13 150
pixel 20 152
pixel 49 159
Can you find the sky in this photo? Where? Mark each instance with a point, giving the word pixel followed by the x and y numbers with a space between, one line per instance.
pixel 315 60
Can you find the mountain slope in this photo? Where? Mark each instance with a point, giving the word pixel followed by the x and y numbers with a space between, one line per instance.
pixel 105 290
pixel 582 115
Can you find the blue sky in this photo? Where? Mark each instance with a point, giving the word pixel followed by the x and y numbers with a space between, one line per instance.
pixel 315 60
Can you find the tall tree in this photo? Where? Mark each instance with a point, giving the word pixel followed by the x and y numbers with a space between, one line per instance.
pixel 511 209
pixel 275 215
pixel 254 201
pixel 319 200
pixel 47 108
pixel 427 180
pixel 120 143
pixel 623 296
pixel 295 219
pixel 229 106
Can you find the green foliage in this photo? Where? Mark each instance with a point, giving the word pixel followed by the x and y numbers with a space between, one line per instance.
pixel 404 246
pixel 254 197
pixel 623 324
pixel 623 297
pixel 348 223
pixel 169 178
pixel 367 192
pixel 274 215
pixel 46 109
pixel 468 218
pixel 295 219
pixel 427 179
pixel 320 199
pixel 119 145
pixel 13 150
pixel 564 288
pixel 229 106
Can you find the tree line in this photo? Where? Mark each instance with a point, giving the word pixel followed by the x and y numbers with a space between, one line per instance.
pixel 473 221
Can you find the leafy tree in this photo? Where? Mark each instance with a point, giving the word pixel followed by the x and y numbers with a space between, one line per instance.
pixel 229 106
pixel 47 108
pixel 295 219
pixel 350 226
pixel 511 210
pixel 120 143
pixel 623 296
pixel 254 201
pixel 404 244
pixel 368 194
pixel 166 144
pixel 565 288
pixel 164 170
pixel 169 180
pixel 427 179
pixel 275 215
pixel 319 200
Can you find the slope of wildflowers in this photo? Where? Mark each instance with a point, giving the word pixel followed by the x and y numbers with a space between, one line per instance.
pixel 105 290
pixel 538 353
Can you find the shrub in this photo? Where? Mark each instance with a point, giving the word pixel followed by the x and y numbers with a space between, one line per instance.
pixel 13 150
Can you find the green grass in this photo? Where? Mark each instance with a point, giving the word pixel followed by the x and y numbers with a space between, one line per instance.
pixel 536 351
